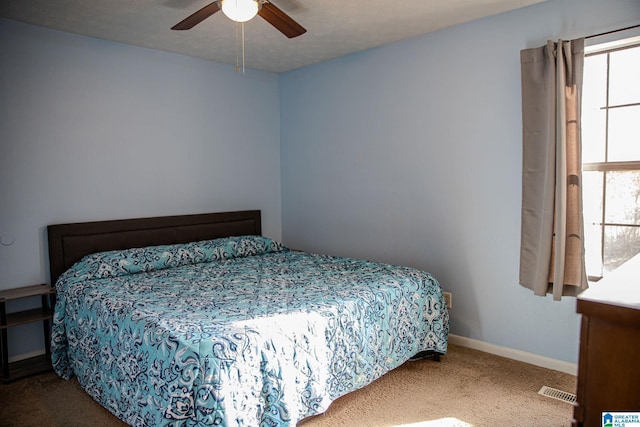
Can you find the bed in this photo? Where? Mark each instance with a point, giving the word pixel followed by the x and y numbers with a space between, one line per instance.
pixel 199 320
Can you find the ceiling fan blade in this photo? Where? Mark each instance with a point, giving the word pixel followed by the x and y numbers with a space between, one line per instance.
pixel 283 22
pixel 196 18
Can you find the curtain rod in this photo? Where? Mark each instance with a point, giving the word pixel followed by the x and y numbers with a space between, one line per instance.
pixel 612 32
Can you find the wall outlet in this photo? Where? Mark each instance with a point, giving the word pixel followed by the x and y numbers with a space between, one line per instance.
pixel 448 299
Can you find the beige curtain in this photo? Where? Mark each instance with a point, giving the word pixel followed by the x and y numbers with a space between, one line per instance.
pixel 552 234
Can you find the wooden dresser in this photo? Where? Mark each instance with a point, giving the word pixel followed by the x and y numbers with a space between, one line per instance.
pixel 609 361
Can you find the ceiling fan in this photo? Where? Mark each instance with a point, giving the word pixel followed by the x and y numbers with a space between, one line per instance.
pixel 267 10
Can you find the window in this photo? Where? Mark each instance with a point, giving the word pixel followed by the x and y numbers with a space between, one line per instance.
pixel 611 157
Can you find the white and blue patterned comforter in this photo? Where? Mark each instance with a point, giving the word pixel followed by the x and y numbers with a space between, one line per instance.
pixel 237 331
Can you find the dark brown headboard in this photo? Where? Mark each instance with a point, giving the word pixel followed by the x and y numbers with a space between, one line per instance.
pixel 68 243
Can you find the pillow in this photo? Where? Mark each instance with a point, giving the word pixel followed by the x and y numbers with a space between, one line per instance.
pixel 139 260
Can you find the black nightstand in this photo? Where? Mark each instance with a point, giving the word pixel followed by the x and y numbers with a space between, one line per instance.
pixel 33 365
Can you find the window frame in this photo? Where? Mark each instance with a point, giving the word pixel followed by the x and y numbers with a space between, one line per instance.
pixel 609 166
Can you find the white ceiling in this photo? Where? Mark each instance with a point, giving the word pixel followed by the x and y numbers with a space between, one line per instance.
pixel 334 27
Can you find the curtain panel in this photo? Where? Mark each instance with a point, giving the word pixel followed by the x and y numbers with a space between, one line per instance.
pixel 552 233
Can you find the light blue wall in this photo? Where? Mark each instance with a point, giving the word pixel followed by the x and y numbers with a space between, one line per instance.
pixel 93 130
pixel 411 153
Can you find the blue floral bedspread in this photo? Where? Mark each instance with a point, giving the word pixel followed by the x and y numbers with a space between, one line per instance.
pixel 238 331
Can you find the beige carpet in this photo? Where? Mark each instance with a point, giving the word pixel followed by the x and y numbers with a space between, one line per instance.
pixel 467 388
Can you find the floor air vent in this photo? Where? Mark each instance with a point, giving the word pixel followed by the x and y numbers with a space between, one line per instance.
pixel 557 394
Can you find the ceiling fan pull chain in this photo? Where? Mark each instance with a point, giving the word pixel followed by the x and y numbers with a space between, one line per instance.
pixel 243 48
pixel 239 27
pixel 237 48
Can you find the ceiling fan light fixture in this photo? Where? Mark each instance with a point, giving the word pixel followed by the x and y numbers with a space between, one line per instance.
pixel 240 10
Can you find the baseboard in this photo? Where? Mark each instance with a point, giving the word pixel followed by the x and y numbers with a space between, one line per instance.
pixel 511 353
pixel 20 357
